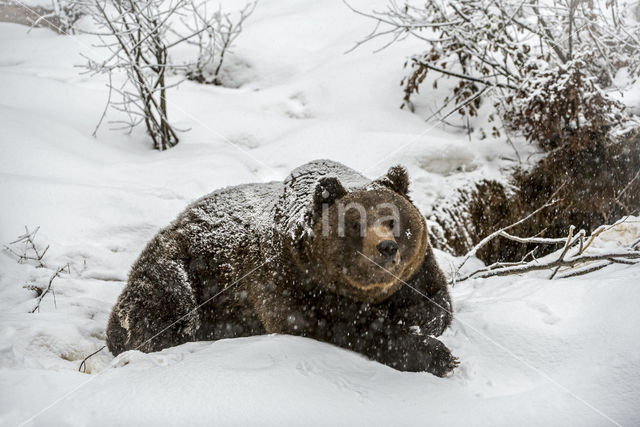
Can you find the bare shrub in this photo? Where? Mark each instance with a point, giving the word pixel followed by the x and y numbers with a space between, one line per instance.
pixel 62 16
pixel 215 35
pixel 25 249
pixel 135 34
pixel 65 15
pixel 139 36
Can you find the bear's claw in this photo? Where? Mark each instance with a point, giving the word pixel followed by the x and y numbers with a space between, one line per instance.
pixel 444 362
pixel 455 362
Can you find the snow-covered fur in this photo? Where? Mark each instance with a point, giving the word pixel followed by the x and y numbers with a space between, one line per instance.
pixel 253 259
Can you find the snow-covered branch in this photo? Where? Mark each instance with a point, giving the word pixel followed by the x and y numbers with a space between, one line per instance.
pixel 527 48
pixel 574 253
pixel 49 287
pixel 138 37
pixel 214 35
pixel 31 252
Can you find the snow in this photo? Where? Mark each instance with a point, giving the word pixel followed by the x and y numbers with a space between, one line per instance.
pixel 522 342
pixel 533 351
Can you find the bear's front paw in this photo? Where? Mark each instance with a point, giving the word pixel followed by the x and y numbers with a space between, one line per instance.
pixel 441 361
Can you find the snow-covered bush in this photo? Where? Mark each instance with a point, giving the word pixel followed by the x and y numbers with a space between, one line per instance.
pixel 517 53
pixel 63 15
pixel 215 35
pixel 548 68
pixel 563 105
pixel 587 185
pixel 139 35
pixel 135 33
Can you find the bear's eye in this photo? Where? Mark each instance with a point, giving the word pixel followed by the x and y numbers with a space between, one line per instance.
pixel 391 223
pixel 356 227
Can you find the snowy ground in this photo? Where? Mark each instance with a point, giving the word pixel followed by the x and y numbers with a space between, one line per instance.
pixel 533 351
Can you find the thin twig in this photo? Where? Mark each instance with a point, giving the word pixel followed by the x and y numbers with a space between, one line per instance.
pixel 564 251
pixel 593 236
pixel 49 288
pixel 463 76
pixel 106 107
pixel 28 238
pixel 83 366
pixel 491 236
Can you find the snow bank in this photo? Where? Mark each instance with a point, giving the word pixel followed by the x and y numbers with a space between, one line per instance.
pixel 533 352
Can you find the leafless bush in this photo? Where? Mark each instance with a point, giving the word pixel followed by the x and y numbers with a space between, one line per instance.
pixel 139 36
pixel 135 34
pixel 26 249
pixel 215 34
pixel 62 17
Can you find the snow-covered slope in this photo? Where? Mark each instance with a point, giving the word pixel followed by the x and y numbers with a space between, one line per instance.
pixel 533 351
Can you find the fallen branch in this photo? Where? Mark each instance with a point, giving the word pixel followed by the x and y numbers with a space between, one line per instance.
pixel 540 240
pixel 497 265
pixel 571 262
pixel 572 254
pixel 564 251
pixel 503 269
pixel 493 235
pixel 587 270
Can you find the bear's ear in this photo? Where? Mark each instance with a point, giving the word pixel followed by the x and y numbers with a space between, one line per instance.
pixel 328 190
pixel 396 179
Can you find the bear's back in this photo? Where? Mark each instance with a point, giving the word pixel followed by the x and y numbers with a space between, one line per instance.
pixel 229 218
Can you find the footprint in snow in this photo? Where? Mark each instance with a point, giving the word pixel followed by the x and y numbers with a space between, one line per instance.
pixel 549 317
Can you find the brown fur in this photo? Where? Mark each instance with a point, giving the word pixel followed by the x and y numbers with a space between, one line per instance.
pixel 255 259
pixel 369 277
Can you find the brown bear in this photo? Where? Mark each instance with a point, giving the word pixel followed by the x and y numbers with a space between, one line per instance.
pixel 326 254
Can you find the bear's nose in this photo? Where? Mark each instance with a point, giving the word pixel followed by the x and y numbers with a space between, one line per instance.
pixel 387 248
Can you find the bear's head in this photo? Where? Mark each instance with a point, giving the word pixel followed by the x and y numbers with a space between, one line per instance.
pixel 364 240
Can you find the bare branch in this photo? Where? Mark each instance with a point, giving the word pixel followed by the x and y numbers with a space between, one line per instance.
pixel 49 287
pixel 31 252
pixel 216 34
pixel 573 244
pixel 83 365
pixel 491 236
pixel 463 76
pixel 564 251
